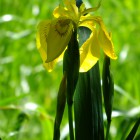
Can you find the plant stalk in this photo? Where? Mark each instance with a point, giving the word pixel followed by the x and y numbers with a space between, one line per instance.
pixel 107 131
pixel 70 116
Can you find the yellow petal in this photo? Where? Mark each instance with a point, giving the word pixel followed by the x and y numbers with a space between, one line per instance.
pixel 106 42
pixel 56 39
pixel 89 53
pixel 103 36
pixel 71 6
pixel 42 32
pixel 89 23
pixel 60 11
pixel 86 11
pixel 50 65
pixel 70 11
pixel 82 8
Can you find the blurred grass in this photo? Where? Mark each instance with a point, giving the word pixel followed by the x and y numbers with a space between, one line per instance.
pixel 26 88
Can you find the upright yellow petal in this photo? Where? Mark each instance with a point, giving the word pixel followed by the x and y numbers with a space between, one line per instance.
pixel 71 6
pixel 89 53
pixel 82 8
pixel 70 11
pixel 86 11
pixel 105 41
pixel 60 12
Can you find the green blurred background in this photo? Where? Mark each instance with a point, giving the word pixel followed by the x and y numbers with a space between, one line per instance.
pixel 28 92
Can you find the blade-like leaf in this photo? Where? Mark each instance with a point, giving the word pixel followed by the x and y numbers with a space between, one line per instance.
pixel 108 92
pixel 61 100
pixel 88 101
pixel 108 87
pixel 71 64
pixel 133 131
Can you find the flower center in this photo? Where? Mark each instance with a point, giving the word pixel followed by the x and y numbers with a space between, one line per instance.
pixel 62 26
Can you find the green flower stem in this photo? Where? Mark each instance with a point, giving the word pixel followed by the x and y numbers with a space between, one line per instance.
pixel 71 68
pixel 107 130
pixel 70 115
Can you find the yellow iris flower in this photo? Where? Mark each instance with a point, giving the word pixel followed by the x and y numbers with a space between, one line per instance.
pixel 54 35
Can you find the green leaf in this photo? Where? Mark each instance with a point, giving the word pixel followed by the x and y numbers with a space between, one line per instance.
pixel 12 99
pixel 108 91
pixel 61 101
pixel 133 131
pixel 96 98
pixel 108 87
pixel 88 101
pixel 71 66
pixel 88 106
pixel 83 109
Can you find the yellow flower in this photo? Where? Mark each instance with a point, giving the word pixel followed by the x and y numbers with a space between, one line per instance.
pixel 54 35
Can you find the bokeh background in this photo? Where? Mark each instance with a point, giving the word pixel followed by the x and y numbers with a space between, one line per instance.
pixel 28 92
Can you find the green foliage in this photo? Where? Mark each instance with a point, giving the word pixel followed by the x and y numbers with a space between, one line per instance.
pixel 71 63
pixel 108 91
pixel 88 101
pixel 134 130
pixel 88 106
pixel 28 93
pixel 61 101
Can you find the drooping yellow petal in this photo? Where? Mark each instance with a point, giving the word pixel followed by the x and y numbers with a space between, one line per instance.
pixel 89 23
pixel 106 42
pixel 42 32
pixel 50 65
pixel 54 35
pixel 103 36
pixel 56 39
pixel 89 53
pixel 95 47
